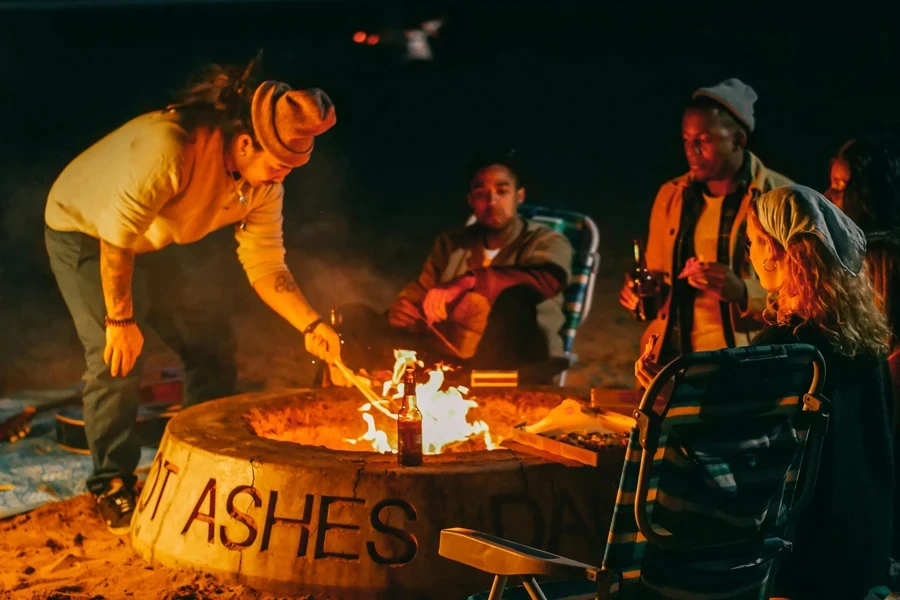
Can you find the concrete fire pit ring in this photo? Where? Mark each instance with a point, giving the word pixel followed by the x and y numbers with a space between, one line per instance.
pixel 291 518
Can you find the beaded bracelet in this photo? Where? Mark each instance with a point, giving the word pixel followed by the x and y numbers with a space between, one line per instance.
pixel 119 322
pixel 312 326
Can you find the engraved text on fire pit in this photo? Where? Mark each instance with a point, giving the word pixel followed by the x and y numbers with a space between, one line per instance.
pixel 314 522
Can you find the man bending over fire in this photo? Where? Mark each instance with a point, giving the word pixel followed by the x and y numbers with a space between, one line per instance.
pixel 217 158
pixel 493 289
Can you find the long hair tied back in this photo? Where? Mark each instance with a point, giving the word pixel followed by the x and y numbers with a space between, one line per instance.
pixel 221 96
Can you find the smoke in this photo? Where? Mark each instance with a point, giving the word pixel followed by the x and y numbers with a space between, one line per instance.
pixel 38 345
pixel 329 284
pixel 23 195
pixel 334 261
pixel 339 251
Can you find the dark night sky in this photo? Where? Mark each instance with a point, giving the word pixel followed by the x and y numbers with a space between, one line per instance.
pixel 590 97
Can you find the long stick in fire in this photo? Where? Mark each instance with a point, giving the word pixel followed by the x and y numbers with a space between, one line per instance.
pixel 439 335
pixel 373 399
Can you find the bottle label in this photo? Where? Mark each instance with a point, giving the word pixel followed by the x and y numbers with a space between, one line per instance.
pixel 409 441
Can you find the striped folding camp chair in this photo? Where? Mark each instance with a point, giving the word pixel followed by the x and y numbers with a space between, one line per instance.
pixel 712 482
pixel 584 236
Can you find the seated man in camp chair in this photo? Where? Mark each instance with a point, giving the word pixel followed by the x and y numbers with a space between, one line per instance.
pixel 490 294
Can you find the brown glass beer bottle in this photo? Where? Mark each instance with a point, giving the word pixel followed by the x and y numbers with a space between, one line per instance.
pixel 409 423
pixel 645 286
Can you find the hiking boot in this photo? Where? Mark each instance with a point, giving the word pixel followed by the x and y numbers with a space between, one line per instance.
pixel 116 507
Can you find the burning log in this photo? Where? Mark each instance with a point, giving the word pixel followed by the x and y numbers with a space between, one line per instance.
pixel 467 445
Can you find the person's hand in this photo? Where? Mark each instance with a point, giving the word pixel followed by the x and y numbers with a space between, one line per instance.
pixel 644 368
pixel 715 278
pixel 628 297
pixel 436 300
pixel 337 378
pixel 123 346
pixel 323 342
pixel 403 313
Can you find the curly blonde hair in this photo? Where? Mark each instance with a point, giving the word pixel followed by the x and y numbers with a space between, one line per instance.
pixel 824 296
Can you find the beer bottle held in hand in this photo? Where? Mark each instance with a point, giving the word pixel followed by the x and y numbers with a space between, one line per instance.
pixel 645 287
pixel 409 423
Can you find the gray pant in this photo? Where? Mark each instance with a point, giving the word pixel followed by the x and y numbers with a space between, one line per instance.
pixel 199 332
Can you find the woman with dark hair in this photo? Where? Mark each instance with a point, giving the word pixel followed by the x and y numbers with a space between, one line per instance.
pixel 839 175
pixel 217 157
pixel 865 183
pixel 810 257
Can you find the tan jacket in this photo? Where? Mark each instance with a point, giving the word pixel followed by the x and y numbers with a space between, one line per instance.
pixel 665 220
pixel 456 253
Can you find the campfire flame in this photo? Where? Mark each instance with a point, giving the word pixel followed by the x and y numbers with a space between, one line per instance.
pixel 444 412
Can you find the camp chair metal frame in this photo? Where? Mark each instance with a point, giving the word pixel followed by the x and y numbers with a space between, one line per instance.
pixel 589 256
pixel 504 558
pixel 649 423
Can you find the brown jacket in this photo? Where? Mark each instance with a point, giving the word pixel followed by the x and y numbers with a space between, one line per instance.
pixel 665 218
pixel 456 253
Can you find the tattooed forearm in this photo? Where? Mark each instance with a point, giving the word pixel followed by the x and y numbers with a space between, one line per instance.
pixel 284 283
pixel 116 272
pixel 283 295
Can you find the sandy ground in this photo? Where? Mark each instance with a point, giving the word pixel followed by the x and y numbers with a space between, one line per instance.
pixel 63 551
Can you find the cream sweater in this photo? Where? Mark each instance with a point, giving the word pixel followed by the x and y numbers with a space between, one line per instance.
pixel 151 183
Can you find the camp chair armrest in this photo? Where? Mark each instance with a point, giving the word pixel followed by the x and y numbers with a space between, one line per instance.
pixel 505 558
pixel 820 407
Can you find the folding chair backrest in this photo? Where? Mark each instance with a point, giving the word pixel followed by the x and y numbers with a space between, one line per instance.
pixel 584 236
pixel 708 484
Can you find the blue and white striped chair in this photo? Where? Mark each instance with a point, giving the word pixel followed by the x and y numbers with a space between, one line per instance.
pixel 584 236
pixel 712 482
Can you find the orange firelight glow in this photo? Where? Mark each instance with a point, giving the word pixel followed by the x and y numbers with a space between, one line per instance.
pixel 444 411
